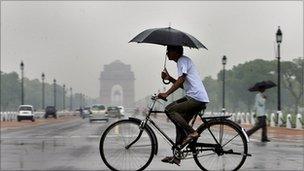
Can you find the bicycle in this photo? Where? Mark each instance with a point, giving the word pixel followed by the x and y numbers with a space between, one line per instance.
pixel 130 144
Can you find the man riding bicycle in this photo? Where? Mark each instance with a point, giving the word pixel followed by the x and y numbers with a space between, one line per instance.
pixel 181 111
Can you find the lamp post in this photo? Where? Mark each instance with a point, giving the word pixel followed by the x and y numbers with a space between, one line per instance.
pixel 42 78
pixel 54 81
pixel 224 61
pixel 80 100
pixel 63 98
pixel 71 99
pixel 279 41
pixel 22 83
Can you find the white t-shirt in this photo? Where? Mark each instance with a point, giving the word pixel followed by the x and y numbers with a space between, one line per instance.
pixel 193 85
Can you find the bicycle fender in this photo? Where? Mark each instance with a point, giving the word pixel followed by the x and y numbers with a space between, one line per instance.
pixel 154 138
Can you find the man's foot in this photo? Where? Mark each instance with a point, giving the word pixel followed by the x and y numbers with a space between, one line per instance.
pixel 190 137
pixel 171 159
pixel 265 140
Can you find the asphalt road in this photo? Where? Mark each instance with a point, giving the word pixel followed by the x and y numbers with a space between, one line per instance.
pixel 73 145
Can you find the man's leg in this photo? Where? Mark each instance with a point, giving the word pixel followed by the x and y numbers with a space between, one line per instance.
pixel 180 133
pixel 177 113
pixel 257 126
pixel 183 108
pixel 264 130
pixel 181 113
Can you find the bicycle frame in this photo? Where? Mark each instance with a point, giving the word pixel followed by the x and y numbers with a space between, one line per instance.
pixel 169 140
pixel 148 119
pixel 154 125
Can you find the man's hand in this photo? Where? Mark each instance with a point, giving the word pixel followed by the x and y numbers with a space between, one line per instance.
pixel 165 75
pixel 162 96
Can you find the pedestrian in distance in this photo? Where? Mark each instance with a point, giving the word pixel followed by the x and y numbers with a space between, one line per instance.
pixel 260 101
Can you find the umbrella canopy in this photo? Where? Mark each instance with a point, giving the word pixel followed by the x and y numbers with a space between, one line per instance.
pixel 262 85
pixel 167 36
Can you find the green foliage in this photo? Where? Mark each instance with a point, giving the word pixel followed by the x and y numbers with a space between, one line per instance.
pixel 243 76
pixel 11 94
pixel 10 90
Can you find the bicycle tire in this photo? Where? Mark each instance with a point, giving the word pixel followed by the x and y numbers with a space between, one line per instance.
pixel 228 124
pixel 109 163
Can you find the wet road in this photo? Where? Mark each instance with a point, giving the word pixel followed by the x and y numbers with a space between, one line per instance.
pixel 73 145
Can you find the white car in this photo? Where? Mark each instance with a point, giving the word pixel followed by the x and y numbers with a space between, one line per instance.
pixel 121 110
pixel 98 112
pixel 25 112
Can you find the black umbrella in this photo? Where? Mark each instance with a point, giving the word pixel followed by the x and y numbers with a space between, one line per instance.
pixel 167 36
pixel 262 85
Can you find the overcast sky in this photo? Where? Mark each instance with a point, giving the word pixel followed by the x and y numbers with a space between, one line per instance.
pixel 72 40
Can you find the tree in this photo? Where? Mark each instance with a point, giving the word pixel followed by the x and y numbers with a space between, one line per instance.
pixel 10 91
pixel 243 76
pixel 292 80
pixel 212 88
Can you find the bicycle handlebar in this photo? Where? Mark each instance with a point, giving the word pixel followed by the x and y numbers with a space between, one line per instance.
pixel 154 97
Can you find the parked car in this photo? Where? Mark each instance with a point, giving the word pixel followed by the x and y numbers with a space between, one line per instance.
pixel 114 112
pixel 50 111
pixel 25 112
pixel 98 112
pixel 86 112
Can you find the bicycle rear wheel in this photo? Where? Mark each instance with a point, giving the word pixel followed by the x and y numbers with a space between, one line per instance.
pixel 221 146
pixel 114 149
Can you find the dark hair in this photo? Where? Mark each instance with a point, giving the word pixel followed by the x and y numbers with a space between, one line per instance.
pixel 177 49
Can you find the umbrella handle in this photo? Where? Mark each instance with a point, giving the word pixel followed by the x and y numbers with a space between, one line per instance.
pixel 166 82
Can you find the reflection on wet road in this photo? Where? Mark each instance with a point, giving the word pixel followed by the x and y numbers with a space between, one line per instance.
pixel 73 145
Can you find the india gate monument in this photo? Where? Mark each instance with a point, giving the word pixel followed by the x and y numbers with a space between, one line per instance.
pixel 117 85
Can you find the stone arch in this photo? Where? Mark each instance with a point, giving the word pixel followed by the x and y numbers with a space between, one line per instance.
pixel 117 95
pixel 115 75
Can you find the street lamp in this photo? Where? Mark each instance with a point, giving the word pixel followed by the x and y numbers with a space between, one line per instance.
pixel 63 100
pixel 80 100
pixel 54 81
pixel 42 78
pixel 224 61
pixel 71 99
pixel 279 41
pixel 22 83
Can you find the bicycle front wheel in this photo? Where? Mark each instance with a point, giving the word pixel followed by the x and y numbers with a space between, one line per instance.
pixel 221 146
pixel 124 146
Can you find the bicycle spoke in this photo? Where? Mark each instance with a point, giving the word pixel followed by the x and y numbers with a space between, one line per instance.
pixel 213 136
pixel 230 140
pixel 144 145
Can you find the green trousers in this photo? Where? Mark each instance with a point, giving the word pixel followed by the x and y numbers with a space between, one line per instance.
pixel 180 112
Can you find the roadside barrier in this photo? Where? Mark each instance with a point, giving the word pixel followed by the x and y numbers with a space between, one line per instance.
pixel 12 115
pixel 281 119
pixel 272 117
pixel 299 122
pixel 243 117
pixel 247 118
pixel 252 118
pixel 288 121
pixel 233 117
pixel 238 117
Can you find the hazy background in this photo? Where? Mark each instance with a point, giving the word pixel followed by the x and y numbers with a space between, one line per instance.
pixel 71 41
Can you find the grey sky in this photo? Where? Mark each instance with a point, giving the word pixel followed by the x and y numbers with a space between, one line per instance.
pixel 72 40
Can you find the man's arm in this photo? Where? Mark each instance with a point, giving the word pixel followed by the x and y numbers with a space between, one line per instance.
pixel 176 83
pixel 165 75
pixel 172 80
